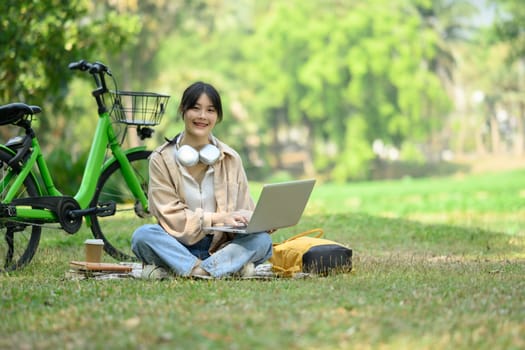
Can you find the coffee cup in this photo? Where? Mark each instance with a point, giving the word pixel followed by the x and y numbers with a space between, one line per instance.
pixel 94 250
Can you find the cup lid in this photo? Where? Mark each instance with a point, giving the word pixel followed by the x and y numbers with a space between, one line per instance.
pixel 94 241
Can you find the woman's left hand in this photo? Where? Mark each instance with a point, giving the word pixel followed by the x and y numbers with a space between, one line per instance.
pixel 242 217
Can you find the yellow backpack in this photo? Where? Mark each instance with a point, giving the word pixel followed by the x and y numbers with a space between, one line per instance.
pixel 301 253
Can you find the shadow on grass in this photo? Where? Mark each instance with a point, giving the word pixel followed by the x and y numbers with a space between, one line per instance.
pixel 374 235
pixel 369 237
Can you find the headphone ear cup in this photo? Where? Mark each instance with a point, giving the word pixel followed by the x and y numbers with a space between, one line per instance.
pixel 187 155
pixel 209 154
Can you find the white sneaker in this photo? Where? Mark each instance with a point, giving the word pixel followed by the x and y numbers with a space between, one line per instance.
pixel 199 273
pixel 154 272
pixel 247 270
pixel 264 271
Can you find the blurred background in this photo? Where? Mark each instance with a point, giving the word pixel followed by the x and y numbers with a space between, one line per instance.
pixel 343 90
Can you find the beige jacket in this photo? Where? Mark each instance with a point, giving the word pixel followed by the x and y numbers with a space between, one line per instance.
pixel 166 195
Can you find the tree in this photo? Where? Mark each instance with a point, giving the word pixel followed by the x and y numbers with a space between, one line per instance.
pixel 351 72
pixel 509 28
pixel 39 40
pixel 452 23
pixel 325 78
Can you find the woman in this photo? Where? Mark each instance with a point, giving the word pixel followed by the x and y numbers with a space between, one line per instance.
pixel 198 181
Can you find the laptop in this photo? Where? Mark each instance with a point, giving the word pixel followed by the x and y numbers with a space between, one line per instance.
pixel 279 205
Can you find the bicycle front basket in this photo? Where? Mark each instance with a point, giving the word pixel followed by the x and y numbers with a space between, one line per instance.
pixel 138 108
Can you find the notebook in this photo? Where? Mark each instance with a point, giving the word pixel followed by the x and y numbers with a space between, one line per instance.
pixel 279 205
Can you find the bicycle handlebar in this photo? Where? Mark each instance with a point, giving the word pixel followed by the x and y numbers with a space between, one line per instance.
pixel 92 68
pixel 97 70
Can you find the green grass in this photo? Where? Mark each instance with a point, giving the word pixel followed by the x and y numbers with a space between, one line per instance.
pixel 438 264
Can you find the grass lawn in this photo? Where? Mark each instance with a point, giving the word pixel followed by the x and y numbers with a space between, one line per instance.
pixel 438 264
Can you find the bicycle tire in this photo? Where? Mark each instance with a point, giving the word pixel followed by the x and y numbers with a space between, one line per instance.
pixel 116 230
pixel 25 237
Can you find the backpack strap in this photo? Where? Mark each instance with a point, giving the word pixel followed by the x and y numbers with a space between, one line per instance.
pixel 306 233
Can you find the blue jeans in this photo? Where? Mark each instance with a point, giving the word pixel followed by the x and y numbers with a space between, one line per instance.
pixel 154 246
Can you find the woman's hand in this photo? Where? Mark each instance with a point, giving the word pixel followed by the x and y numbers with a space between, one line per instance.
pixel 237 218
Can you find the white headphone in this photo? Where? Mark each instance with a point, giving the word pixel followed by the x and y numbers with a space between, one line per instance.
pixel 189 156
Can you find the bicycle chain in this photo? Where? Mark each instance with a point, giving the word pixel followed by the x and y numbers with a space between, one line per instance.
pixel 50 226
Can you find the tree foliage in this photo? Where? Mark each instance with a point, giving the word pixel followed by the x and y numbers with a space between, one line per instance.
pixel 318 80
pixel 310 68
pixel 510 26
pixel 40 38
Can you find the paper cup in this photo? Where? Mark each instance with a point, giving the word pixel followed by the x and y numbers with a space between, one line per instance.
pixel 94 250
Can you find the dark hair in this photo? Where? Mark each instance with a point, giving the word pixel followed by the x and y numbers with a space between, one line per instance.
pixel 192 94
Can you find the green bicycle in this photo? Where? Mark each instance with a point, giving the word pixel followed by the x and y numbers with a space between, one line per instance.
pixel 112 195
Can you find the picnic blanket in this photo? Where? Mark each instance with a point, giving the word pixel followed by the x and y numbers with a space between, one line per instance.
pixel 80 270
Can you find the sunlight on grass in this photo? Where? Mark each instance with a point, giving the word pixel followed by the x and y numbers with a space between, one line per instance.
pixel 491 201
pixel 510 223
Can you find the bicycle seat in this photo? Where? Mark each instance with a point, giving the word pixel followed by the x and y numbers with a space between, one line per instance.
pixel 13 112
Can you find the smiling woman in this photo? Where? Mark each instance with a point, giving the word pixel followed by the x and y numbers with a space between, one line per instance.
pixel 197 181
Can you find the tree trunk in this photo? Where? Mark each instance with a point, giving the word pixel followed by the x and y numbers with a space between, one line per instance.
pixel 494 134
pixel 519 145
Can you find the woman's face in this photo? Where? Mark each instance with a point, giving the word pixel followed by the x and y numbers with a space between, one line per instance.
pixel 200 119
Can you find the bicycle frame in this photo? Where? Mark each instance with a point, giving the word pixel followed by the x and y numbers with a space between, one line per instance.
pixel 104 136
pixel 112 194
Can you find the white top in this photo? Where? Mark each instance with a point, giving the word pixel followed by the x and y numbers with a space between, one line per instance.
pixel 199 195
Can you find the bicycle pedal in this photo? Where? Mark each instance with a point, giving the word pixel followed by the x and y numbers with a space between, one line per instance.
pixel 106 209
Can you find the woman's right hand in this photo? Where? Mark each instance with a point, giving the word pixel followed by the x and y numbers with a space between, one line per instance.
pixel 237 218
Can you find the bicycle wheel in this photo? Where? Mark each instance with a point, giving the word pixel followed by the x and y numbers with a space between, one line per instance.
pixel 116 230
pixel 20 240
